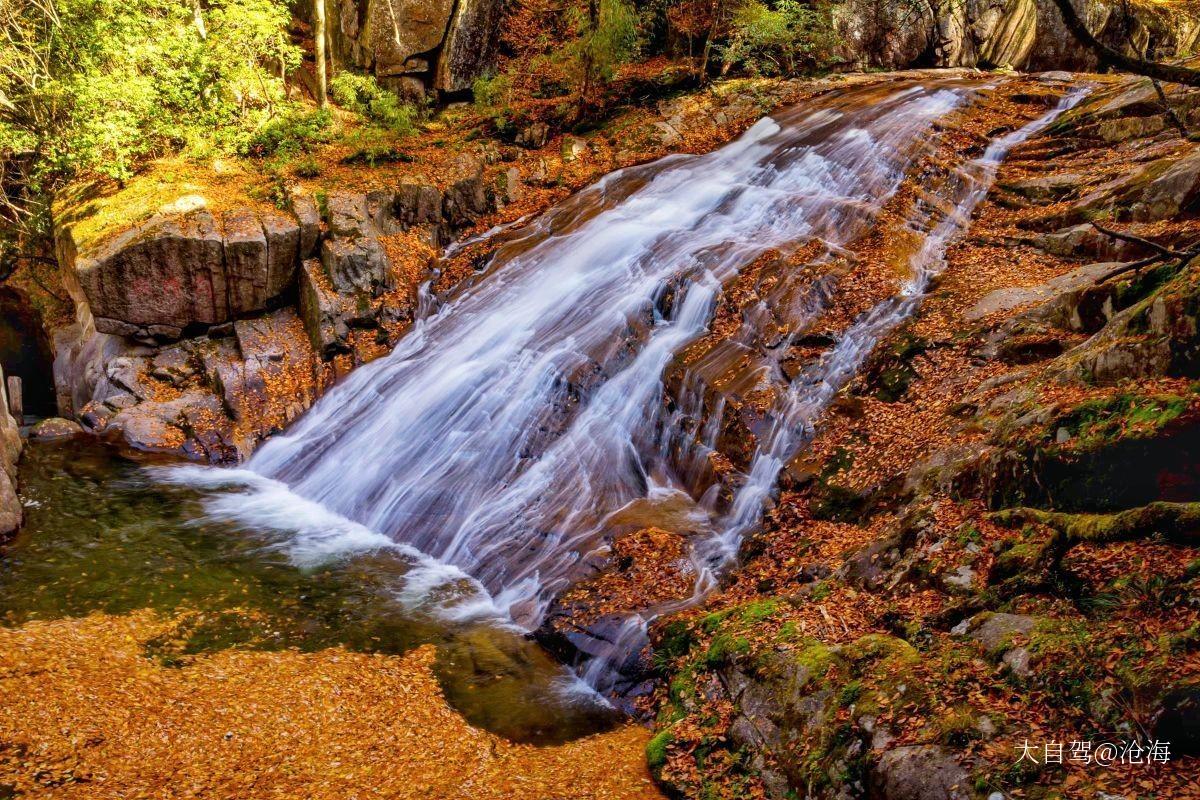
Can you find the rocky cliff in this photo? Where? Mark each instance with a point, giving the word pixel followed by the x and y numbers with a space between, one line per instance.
pixel 445 45
pixel 1020 34
pixel 418 44
pixel 201 332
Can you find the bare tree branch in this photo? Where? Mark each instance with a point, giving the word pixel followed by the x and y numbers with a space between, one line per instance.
pixel 1152 69
pixel 1161 253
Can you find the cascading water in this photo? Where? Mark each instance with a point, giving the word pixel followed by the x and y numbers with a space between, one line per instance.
pixel 811 392
pixel 512 422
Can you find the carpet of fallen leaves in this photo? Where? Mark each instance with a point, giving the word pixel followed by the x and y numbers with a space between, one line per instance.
pixel 84 713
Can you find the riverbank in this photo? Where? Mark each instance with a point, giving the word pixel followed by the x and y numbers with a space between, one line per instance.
pixel 87 714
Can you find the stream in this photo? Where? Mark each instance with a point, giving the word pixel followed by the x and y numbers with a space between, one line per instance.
pixel 449 491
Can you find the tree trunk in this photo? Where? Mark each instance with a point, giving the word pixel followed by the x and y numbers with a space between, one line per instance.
pixel 589 62
pixel 319 47
pixel 198 19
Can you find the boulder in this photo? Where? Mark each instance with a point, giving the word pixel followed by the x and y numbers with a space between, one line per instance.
pixel 1005 31
pixel 81 358
pixel 470 46
pixel 176 271
pixel 417 204
pixel 308 217
pixel 321 310
pixel 54 428
pixel 357 265
pixel 1156 190
pixel 467 198
pixel 194 425
pixel 920 772
pixel 173 365
pixel 269 380
pixel 391 38
pixel 534 136
pixel 995 631
pixel 1085 241
pixel 886 35
pixel 1045 188
pixel 1175 189
pixel 1063 292
pixel 348 216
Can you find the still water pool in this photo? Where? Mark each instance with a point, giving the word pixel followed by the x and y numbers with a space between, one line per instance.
pixel 104 534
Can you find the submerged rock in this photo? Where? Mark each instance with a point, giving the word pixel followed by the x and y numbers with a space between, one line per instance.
pixel 54 428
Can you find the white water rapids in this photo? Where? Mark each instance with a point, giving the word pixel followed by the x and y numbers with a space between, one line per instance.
pixel 511 424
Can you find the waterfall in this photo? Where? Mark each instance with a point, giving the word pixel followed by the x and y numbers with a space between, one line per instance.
pixel 499 437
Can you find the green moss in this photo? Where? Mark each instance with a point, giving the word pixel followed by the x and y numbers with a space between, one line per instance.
pixel 789 631
pixel 757 611
pixel 850 693
pixel 723 646
pixel 836 503
pixel 682 688
pixel 675 640
pixel 1097 423
pixel 879 646
pixel 656 748
pixel 816 659
pixel 957 727
pixel 1187 641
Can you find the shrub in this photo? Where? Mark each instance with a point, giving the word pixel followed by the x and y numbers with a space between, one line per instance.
pixel 363 95
pixel 492 91
pixel 780 39
pixel 289 134
pixel 606 38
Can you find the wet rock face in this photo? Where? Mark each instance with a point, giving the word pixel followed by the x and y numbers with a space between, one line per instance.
pixel 470 44
pixel 1178 721
pixel 647 567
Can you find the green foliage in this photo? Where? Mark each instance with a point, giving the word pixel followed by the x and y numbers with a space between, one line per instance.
pixel 363 95
pixel 608 37
pixel 289 134
pixel 780 38
pixel 96 86
pixel 372 146
pixel 492 91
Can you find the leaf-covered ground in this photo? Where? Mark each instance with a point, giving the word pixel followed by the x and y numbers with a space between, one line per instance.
pixel 85 713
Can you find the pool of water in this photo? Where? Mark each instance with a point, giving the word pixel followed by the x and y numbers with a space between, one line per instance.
pixel 104 534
